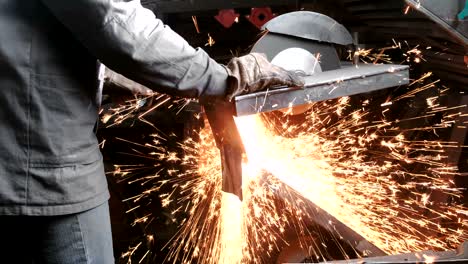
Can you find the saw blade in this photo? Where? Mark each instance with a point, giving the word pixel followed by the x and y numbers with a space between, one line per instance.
pixel 297 60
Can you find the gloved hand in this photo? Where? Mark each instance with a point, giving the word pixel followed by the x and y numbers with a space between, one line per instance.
pixel 253 72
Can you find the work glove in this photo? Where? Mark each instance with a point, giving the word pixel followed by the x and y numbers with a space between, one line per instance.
pixel 253 72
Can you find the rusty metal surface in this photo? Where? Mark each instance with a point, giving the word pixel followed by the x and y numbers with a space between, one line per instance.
pixel 326 85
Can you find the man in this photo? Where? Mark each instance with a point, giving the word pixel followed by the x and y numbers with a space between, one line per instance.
pixel 53 192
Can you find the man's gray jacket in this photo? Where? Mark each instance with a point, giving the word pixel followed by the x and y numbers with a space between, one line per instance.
pixel 50 162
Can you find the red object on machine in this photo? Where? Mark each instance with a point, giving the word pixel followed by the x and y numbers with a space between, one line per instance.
pixel 227 17
pixel 260 15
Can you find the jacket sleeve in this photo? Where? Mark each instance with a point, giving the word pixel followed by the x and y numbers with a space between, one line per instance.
pixel 129 39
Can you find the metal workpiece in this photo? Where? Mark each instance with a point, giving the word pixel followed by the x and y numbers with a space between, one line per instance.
pixel 460 255
pixel 347 235
pixel 347 81
pixel 229 143
pixel 342 234
pixel 311 26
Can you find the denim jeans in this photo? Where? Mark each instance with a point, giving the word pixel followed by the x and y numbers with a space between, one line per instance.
pixel 81 238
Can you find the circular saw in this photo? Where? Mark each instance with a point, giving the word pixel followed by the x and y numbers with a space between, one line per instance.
pixel 307 42
pixel 298 41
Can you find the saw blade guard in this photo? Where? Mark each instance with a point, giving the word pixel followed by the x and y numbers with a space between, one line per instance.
pixel 307 42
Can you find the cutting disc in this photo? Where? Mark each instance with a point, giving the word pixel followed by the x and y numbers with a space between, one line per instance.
pixel 310 31
pixel 271 44
pixel 303 41
pixel 297 60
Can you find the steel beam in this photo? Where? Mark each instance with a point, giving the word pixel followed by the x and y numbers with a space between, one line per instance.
pixel 327 85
